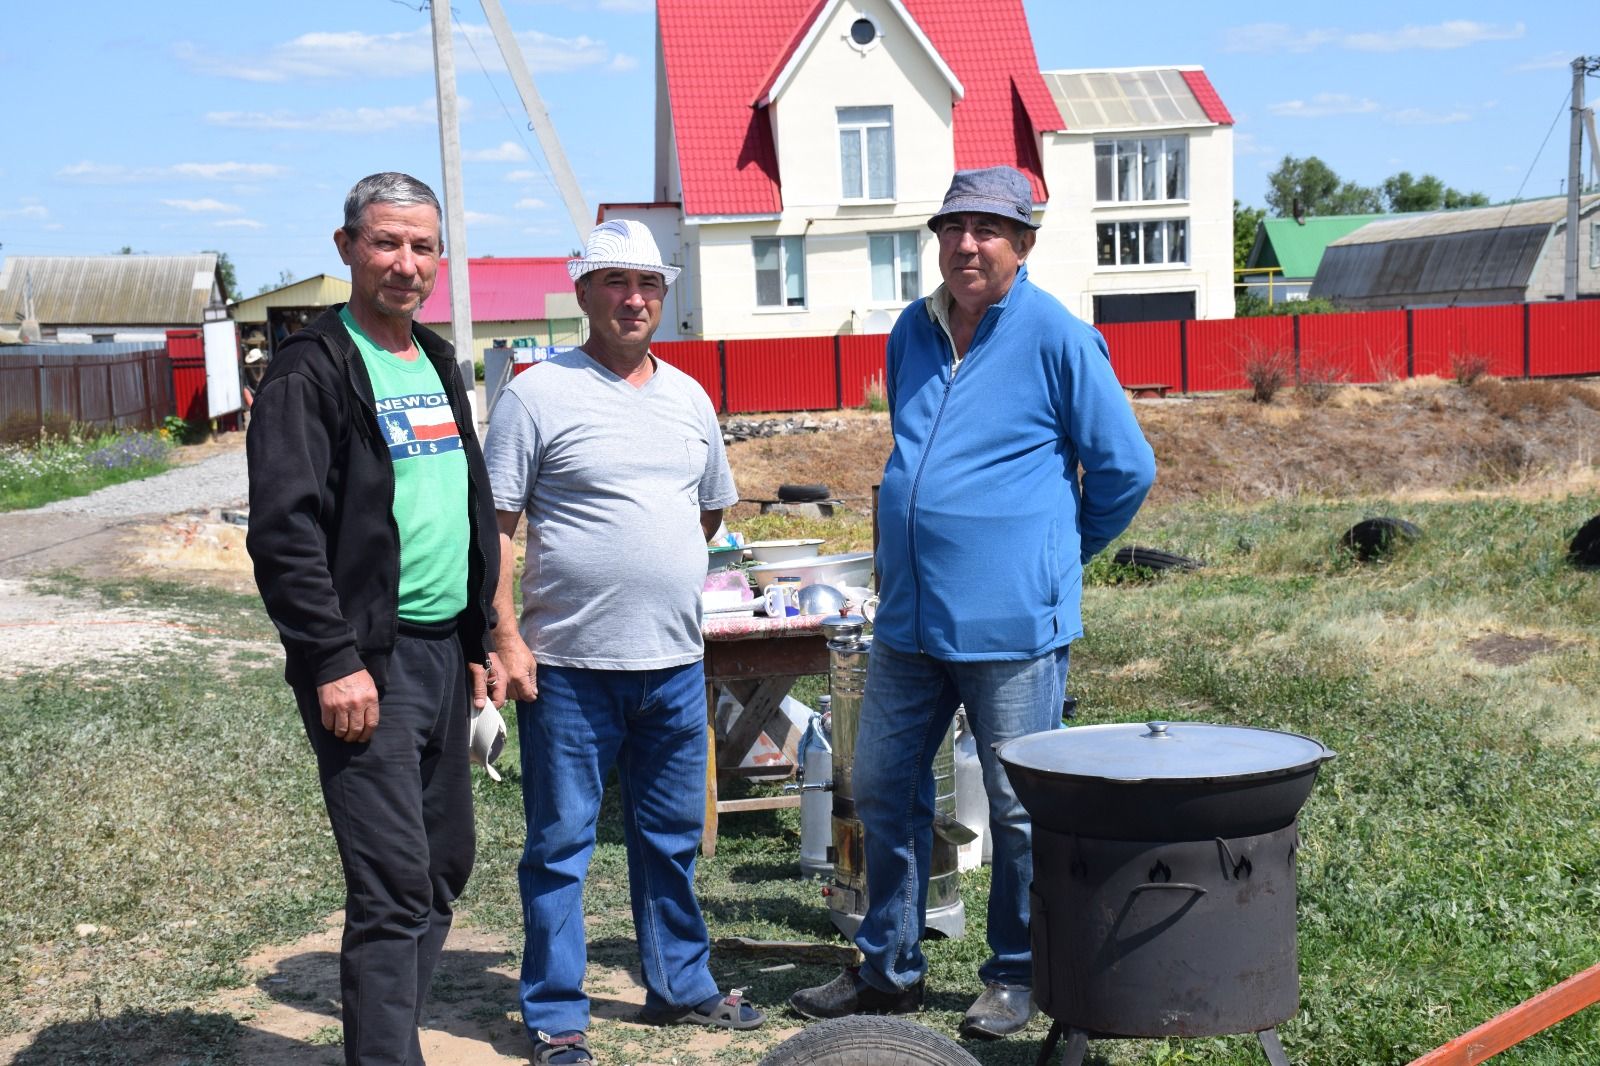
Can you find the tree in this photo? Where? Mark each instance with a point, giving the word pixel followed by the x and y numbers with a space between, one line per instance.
pixel 1313 185
pixel 225 272
pixel 285 277
pixel 1246 220
pixel 1402 192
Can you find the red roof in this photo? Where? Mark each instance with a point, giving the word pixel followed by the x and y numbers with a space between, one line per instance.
pixel 1207 97
pixel 725 149
pixel 503 290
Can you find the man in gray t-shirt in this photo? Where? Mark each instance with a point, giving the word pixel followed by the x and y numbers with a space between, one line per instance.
pixel 617 460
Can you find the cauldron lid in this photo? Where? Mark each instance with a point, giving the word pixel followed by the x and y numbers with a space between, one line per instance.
pixel 1163 751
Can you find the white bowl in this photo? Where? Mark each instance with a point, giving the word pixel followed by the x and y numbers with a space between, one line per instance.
pixel 781 551
pixel 850 568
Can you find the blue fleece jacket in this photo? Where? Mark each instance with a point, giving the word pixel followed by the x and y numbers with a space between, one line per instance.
pixel 984 521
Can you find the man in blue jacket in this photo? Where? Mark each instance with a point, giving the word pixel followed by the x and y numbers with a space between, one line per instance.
pixel 1016 458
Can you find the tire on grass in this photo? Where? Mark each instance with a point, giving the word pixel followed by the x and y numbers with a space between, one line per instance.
pixel 1378 538
pixel 868 1040
pixel 1154 559
pixel 1585 548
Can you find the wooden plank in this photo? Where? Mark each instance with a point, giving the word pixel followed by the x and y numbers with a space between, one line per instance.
pixel 708 831
pixel 758 803
pixel 761 710
pixel 1520 1022
pixel 764 657
pixel 807 951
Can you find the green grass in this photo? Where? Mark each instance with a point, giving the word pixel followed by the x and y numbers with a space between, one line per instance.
pixel 58 469
pixel 1449 867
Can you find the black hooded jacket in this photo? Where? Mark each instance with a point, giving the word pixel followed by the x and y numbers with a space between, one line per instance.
pixel 322 532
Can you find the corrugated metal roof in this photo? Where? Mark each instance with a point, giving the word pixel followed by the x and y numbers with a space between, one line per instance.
pixel 1480 265
pixel 1297 247
pixel 1545 212
pixel 1129 99
pixel 503 290
pixel 323 290
pixel 110 290
pixel 725 149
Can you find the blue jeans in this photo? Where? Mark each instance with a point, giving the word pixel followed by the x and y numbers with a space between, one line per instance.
pixel 651 725
pixel 905 713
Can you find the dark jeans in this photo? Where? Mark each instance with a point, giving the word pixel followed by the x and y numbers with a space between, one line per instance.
pixel 401 810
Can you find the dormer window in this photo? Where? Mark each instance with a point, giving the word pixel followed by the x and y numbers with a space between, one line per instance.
pixel 863 33
pixel 866 153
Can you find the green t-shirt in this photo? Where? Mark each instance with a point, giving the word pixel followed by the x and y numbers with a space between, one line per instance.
pixel 430 470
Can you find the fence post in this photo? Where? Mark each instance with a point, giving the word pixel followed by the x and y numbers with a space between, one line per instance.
pixel 838 377
pixel 1527 346
pixel 722 373
pixel 1296 322
pixel 38 393
pixel 1183 355
pixel 1411 345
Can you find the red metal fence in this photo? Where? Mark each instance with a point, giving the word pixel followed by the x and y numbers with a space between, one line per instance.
pixel 109 391
pixel 1510 340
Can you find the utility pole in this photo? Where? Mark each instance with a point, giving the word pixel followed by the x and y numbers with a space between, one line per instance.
pixel 539 119
pixel 1581 67
pixel 455 215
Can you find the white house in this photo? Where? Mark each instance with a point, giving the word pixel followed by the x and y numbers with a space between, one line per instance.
pixel 802 144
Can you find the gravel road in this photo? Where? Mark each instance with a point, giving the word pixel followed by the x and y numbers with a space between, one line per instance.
pixel 217 481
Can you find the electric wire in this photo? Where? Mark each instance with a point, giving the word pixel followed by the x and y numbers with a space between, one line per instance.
pixel 536 157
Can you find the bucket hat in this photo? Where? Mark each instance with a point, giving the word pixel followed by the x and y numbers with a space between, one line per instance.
pixel 488 738
pixel 621 243
pixel 1002 191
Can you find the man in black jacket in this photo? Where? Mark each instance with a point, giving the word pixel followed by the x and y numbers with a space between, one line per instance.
pixel 373 535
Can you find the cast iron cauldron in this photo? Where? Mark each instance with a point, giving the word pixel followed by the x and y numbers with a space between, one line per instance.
pixel 1163 781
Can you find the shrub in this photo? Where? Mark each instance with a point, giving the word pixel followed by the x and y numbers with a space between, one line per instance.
pixel 1467 367
pixel 182 430
pixel 875 395
pixel 1319 380
pixel 1267 371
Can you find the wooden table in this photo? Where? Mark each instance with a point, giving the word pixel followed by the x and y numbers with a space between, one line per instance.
pixel 1149 388
pixel 758 659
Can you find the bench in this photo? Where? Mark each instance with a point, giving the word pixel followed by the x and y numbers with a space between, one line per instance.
pixel 1155 389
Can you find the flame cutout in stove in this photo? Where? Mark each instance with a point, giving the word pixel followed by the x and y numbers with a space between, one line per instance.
pixel 1159 872
pixel 1242 866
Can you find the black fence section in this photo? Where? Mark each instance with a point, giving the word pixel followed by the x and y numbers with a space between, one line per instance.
pixel 106 386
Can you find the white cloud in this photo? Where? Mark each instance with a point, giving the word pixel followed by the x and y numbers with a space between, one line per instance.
pixel 1245 143
pixel 1281 37
pixel 240 223
pixel 1416 116
pixel 207 206
pixel 228 171
pixel 621 63
pixel 478 218
pixel 335 56
pixel 531 204
pixel 333 120
pixel 1548 61
pixel 1323 105
pixel 118 174
pixel 507 152
pixel 30 208
pixel 524 175
pixel 633 6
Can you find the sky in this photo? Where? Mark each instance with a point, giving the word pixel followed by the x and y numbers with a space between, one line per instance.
pixel 185 126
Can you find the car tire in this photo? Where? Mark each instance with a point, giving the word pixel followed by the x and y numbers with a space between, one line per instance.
pixel 802 493
pixel 1154 559
pixel 1377 538
pixel 868 1040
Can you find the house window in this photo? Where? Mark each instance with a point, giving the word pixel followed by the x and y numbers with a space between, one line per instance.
pixel 863 32
pixel 1142 243
pixel 896 274
pixel 780 271
pixel 866 152
pixel 1131 170
pixel 1594 246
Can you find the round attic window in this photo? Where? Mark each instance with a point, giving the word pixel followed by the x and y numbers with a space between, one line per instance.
pixel 863 31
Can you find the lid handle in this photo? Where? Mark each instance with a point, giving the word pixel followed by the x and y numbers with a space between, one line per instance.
pixel 1158 731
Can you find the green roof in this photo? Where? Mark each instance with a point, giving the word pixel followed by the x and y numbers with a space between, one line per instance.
pixel 1297 248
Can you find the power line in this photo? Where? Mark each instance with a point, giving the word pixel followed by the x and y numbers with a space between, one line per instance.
pixel 1565 99
pixel 521 128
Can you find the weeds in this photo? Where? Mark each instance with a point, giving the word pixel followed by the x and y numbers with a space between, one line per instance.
pixel 58 468
pixel 875 394
pixel 1319 380
pixel 1266 371
pixel 1468 367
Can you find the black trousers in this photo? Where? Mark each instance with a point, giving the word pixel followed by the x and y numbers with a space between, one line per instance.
pixel 401 810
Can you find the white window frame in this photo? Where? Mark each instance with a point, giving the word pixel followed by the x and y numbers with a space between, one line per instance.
pixel 858 122
pixel 1594 245
pixel 791 259
pixel 1138 233
pixel 904 246
pixel 1126 169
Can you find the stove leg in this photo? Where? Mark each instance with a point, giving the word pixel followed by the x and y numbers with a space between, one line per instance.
pixel 1273 1047
pixel 1048 1048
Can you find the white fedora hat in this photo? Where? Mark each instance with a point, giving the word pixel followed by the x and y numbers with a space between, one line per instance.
pixel 621 243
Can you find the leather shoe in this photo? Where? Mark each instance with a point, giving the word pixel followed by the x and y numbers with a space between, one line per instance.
pixel 849 994
pixel 1000 1011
